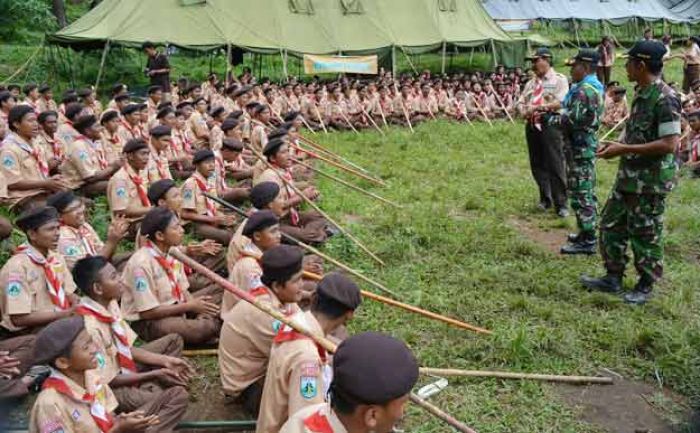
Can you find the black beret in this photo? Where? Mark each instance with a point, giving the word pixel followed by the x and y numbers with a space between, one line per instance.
pixel 260 220
pixel 154 89
pixel 277 133
pixel 61 200
pixel 291 116
pixel 118 88
pixel 585 55
pixel 35 218
pixel 135 144
pixel 121 97
pixel 202 155
pixel 272 147
pixel 84 93
pixel 5 95
pixel 619 90
pixel 263 193
pixel 159 188
pixel 251 105
pixel 260 108
pixel 84 122
pixel 73 109
pixel 164 112
pixel 109 115
pixel 229 124
pixel 198 100
pixel 280 263
pixel 56 338
pixel 160 131
pixel 194 87
pixel 142 106
pixel 242 91
pixel 216 112
pixel 373 368
pixel 44 88
pixel 235 114
pixel 156 220
pixel 183 104
pixel 131 108
pixel 232 144
pixel 341 289
pixel 164 105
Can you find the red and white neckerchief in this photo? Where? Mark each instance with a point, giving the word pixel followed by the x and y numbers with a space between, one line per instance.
pixel 318 423
pixel 286 175
pixel 287 333
pixel 84 235
pixel 121 340
pixel 140 189
pixel 54 285
pixel 694 145
pixel 97 150
pixel 103 419
pixel 537 100
pixel 133 130
pixel 220 171
pixel 160 167
pixel 55 145
pixel 113 138
pixel 168 265
pixel 34 152
pixel 186 143
pixel 203 186
pixel 34 105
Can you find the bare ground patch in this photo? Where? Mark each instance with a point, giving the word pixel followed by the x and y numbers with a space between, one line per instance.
pixel 550 239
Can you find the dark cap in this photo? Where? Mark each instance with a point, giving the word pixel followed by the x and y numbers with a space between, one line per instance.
pixel 280 263
pixel 159 188
pixel 291 116
pixel 109 115
pixel 56 338
pixel 118 87
pixel 156 220
pixel 543 52
pixel 216 112
pixel 272 146
pixel 202 155
pixel 160 131
pixel 61 200
pixel 84 92
pixel 35 218
pixel 44 88
pixel 649 51
pixel 341 289
pixel 183 104
pixel 135 144
pixel 242 91
pixel 84 122
pixel 232 144
pixel 260 220
pixel 373 368
pixel 584 56
pixel 73 109
pixel 131 108
pixel 235 114
pixel 229 124
pixel 121 97
pixel 154 89
pixel 164 112
pixel 619 90
pixel 263 193
pixel 277 133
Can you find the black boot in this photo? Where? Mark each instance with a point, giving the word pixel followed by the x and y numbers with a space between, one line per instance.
pixel 610 283
pixel 641 293
pixel 572 237
pixel 584 244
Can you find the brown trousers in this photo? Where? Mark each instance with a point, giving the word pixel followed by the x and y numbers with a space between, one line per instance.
pixel 170 404
pixel 21 348
pixel 310 230
pixel 691 73
pixel 208 231
pixel 194 331
pixel 198 281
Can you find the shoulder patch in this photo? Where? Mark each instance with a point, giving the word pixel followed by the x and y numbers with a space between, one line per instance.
pixel 8 161
pixel 71 250
pixel 83 155
pixel 308 387
pixel 14 288
pixel 52 426
pixel 121 192
pixel 187 193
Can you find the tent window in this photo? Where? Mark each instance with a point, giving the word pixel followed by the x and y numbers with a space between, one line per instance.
pixel 192 2
pixel 301 7
pixel 352 7
pixel 447 5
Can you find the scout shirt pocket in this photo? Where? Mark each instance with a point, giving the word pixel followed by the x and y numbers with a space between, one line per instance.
pixel 163 289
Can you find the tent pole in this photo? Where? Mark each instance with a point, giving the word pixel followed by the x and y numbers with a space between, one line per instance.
pixel 227 77
pixel 578 41
pixel 493 53
pixel 283 54
pixel 471 57
pixel 393 61
pixel 102 65
pixel 415 71
pixel 444 52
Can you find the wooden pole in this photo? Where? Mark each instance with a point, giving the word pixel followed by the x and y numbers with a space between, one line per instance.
pixel 345 117
pixel 372 121
pixel 307 124
pixel 227 79
pixel 459 109
pixel 102 65
pixel 444 53
pixel 381 111
pixel 617 125
pixel 339 165
pixel 346 183
pixel 503 106
pixel 289 321
pixel 522 376
pixel 317 208
pixel 320 119
pixel 339 158
pixel 481 110
pixel 403 107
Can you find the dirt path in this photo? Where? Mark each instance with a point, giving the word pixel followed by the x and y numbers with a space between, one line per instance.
pixel 550 238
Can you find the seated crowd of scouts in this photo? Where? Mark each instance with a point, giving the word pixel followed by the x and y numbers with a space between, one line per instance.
pixel 73 304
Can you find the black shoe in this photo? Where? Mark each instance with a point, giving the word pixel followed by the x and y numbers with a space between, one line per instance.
pixel 581 247
pixel 641 293
pixel 610 283
pixel 573 237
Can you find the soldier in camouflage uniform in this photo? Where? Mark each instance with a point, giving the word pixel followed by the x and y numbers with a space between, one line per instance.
pixel 580 119
pixel 635 208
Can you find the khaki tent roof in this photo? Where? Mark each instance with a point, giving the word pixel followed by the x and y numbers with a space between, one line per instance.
pixel 297 26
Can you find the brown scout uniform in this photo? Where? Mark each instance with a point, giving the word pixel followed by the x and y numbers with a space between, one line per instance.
pixel 18 163
pixel 24 287
pixel 84 158
pixel 76 244
pixel 122 191
pixel 295 375
pixel 242 258
pixel 318 418
pixel 44 104
pixel 158 167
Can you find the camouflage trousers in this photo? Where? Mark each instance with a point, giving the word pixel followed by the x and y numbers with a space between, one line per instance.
pixel 636 219
pixel 580 174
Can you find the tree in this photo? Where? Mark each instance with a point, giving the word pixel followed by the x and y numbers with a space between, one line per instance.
pixel 58 8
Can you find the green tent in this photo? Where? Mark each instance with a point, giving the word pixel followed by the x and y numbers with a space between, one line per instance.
pixel 290 27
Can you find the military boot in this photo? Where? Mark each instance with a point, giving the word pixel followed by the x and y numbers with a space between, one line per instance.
pixel 641 293
pixel 610 283
pixel 584 244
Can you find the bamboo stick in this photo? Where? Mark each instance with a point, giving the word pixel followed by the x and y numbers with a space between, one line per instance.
pixel 338 165
pixel 200 352
pixel 617 125
pixel 372 120
pixel 381 111
pixel 320 119
pixel 346 183
pixel 483 113
pixel 319 339
pixel 339 158
pixel 317 208
pixel 345 117
pixel 503 106
pixel 459 109
pixel 403 108
pixel 509 375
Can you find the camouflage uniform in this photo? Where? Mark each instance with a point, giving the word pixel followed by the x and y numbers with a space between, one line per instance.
pixel 581 120
pixel 634 211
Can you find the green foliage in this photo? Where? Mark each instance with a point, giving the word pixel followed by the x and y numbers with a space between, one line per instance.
pixel 25 20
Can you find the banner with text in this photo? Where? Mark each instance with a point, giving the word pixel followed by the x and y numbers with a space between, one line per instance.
pixel 344 64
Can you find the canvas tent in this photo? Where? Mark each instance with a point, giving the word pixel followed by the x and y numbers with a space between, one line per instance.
pixel 291 27
pixel 688 9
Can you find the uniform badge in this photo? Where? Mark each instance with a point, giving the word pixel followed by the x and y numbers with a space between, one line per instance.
pixel 8 162
pixel 100 360
pixel 121 192
pixel 276 325
pixel 83 155
pixel 309 387
pixel 187 194
pixel 71 250
pixel 14 288
pixel 75 415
